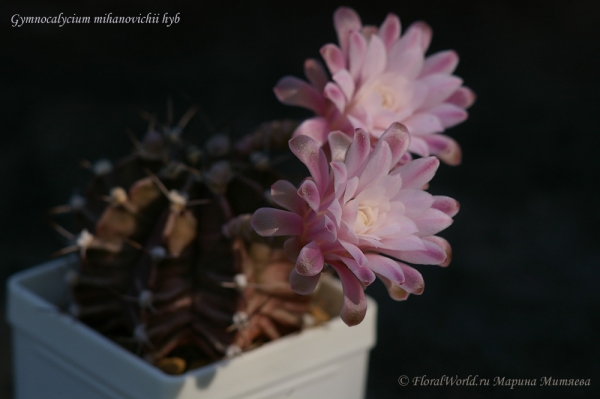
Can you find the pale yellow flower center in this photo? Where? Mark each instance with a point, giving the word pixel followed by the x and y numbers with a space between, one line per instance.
pixel 367 215
pixel 388 100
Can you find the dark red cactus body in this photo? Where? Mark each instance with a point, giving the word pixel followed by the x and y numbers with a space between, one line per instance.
pixel 169 265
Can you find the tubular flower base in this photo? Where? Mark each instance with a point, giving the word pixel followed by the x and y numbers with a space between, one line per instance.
pixel 380 77
pixel 361 215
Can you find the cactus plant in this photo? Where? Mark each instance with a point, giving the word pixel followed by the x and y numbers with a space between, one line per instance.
pixel 183 258
pixel 169 265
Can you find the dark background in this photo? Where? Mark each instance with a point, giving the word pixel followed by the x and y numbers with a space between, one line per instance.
pixel 521 297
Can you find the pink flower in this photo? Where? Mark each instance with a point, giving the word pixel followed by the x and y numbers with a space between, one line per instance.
pixel 380 77
pixel 361 215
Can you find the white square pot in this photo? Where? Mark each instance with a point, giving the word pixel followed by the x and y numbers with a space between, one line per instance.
pixel 56 356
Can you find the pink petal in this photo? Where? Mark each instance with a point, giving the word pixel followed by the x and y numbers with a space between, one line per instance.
pixel 309 152
pixel 448 205
pixel 339 178
pixel 325 230
pixel 415 200
pixel 357 49
pixel 438 143
pixel 334 58
pixel 336 211
pixel 359 117
pixel 398 139
pixel 292 247
pixel 431 222
pixel 444 245
pixel 419 94
pixel 284 194
pixel 351 185
pixel 408 243
pixel 355 304
pixel 432 255
pixel 386 267
pixel 340 121
pixel 358 152
pixel 345 20
pixel 379 165
pixel 413 280
pixel 269 222
pixel 346 83
pixel 445 148
pixel 462 97
pixel 339 143
pixel 389 31
pixel 423 123
pixel 406 158
pixel 316 128
pixel 417 173
pixel 303 285
pixel 309 192
pixel 364 275
pixel 310 260
pixel 442 62
pixel 348 233
pixel 419 146
pixel 425 33
pixel 333 92
pixel 406 55
pixel 375 59
pixel 315 73
pixel 410 39
pixel 404 226
pixel 449 114
pixel 355 252
pixel 382 118
pixel 440 87
pixel 407 63
pixel 369 240
pixel 293 91
pixel 395 291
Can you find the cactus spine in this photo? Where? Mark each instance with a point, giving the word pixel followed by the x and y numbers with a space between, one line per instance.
pixel 169 266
